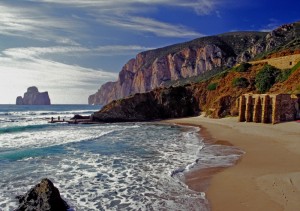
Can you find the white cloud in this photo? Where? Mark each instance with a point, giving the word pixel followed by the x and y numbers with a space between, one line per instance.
pixel 123 13
pixel 201 7
pixel 65 83
pixel 37 52
pixel 39 22
pixel 24 67
pixel 150 25
pixel 34 23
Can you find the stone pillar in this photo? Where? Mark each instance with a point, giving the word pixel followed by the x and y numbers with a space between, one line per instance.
pixel 242 109
pixel 265 106
pixel 276 101
pixel 297 108
pixel 249 109
pixel 257 114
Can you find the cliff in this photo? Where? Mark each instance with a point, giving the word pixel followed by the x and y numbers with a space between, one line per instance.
pixel 156 68
pixel 217 96
pixel 33 97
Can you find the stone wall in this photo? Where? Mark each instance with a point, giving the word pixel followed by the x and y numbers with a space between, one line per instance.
pixel 284 62
pixel 268 108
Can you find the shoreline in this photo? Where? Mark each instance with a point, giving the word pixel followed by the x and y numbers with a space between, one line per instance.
pixel 267 176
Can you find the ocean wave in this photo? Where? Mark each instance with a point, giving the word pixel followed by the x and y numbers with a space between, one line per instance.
pixel 37 113
pixel 16 129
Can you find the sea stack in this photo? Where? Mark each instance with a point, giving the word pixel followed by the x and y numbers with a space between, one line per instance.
pixel 34 97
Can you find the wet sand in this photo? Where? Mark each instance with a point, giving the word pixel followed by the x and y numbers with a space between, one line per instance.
pixel 267 177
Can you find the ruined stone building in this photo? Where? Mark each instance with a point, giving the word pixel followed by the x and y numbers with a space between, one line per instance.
pixel 283 62
pixel 268 108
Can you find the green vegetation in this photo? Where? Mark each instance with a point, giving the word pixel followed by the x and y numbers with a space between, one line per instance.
pixel 240 82
pixel 212 86
pixel 243 67
pixel 284 75
pixel 265 78
pixel 296 67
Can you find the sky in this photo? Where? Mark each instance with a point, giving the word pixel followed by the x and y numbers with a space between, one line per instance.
pixel 71 47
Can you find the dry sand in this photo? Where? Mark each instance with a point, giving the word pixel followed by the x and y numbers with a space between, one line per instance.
pixel 268 175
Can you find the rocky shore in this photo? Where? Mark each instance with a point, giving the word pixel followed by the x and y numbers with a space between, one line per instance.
pixel 161 103
pixel 44 196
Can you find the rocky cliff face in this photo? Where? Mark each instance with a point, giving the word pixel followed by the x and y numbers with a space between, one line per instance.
pixel 152 69
pixel 33 97
pixel 189 100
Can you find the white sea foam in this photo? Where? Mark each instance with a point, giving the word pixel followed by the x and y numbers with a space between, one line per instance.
pixel 137 178
pixel 108 167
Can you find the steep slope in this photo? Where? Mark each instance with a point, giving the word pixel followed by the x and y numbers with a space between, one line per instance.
pixel 155 68
pixel 217 101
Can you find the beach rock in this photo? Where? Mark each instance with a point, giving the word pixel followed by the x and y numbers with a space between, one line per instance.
pixel 162 103
pixel 42 197
pixel 78 116
pixel 33 97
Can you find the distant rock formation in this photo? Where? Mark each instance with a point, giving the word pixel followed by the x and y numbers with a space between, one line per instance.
pixel 34 97
pixel 155 68
pixel 42 197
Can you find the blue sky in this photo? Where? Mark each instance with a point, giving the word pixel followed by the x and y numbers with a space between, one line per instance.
pixel 70 47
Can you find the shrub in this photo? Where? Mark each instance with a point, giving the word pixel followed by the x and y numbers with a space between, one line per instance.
pixel 296 67
pixel 243 67
pixel 284 75
pixel 265 78
pixel 212 86
pixel 240 82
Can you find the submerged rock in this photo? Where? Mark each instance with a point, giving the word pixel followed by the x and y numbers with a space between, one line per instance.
pixel 33 97
pixel 42 197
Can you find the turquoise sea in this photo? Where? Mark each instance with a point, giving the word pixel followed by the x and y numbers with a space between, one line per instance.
pixel 120 166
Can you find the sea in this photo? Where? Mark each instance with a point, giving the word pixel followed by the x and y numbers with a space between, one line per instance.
pixel 112 166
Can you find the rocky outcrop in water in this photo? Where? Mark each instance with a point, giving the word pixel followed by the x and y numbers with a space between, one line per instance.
pixel 33 97
pixel 155 68
pixel 160 103
pixel 42 197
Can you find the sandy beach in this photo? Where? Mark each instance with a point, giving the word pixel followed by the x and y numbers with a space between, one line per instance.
pixel 267 177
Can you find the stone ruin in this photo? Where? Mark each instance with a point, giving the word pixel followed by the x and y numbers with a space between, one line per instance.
pixel 268 108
